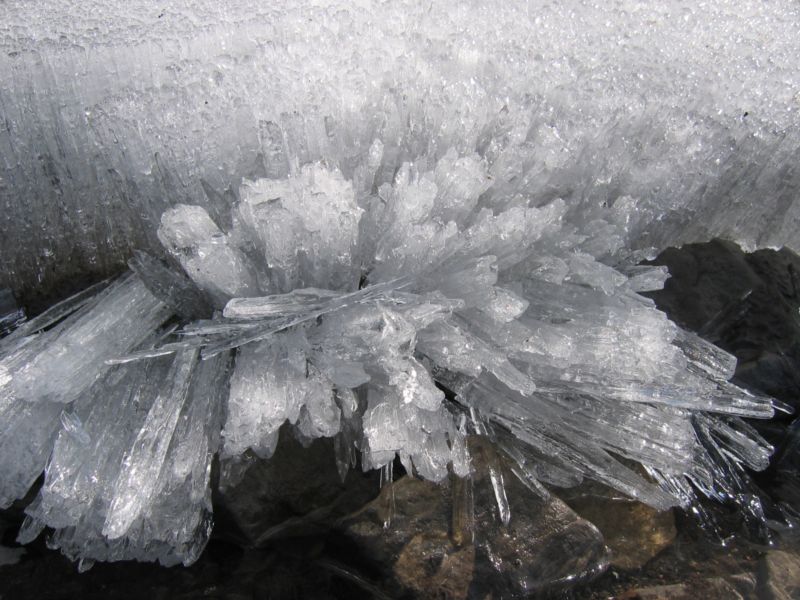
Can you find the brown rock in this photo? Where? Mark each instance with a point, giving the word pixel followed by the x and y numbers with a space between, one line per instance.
pixel 779 575
pixel 711 589
pixel 633 531
pixel 432 554
pixel 423 566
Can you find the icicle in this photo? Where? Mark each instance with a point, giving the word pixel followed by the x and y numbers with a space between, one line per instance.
pixel 503 508
pixel 463 514
pixel 141 466
pixel 387 508
pixel 495 470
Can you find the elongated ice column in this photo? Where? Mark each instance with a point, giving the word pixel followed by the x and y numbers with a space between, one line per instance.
pixel 72 357
pixel 206 254
pixel 269 386
pixel 41 374
pixel 135 485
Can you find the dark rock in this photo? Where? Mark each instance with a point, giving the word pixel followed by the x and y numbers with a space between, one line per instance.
pixel 223 572
pixel 744 303
pixel 430 551
pixel 704 280
pixel 748 304
pixel 296 492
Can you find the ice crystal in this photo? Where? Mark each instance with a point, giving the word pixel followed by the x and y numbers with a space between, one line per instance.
pixel 391 226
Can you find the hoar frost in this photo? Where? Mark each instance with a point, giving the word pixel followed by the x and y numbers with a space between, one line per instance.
pixel 449 244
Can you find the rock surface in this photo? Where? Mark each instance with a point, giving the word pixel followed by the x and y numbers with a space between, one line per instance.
pixel 634 532
pixel 429 552
pixel 715 587
pixel 779 575
pixel 746 303
pixel 296 492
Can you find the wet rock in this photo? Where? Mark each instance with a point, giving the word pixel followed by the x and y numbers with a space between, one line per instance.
pixel 712 588
pixel 745 584
pixel 405 533
pixel 678 591
pixel 746 303
pixel 431 550
pixel 779 576
pixel 296 492
pixel 633 531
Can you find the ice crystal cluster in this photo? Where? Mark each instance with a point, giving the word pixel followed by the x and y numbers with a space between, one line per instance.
pixel 391 224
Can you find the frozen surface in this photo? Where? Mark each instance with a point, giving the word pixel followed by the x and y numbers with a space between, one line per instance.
pixel 114 111
pixel 391 224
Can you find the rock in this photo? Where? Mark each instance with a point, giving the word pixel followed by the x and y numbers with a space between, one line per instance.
pixel 729 588
pixel 773 373
pixel 744 583
pixel 415 548
pixel 704 279
pixel 779 575
pixel 746 303
pixel 678 591
pixel 633 531
pixel 223 572
pixel 432 554
pixel 9 555
pixel 298 491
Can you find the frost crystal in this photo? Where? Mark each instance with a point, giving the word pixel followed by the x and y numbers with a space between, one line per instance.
pixel 390 226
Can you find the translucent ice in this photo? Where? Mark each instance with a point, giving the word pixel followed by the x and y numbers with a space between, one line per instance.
pixel 390 224
pixel 137 485
pixel 305 226
pixel 42 373
pixel 116 111
pixel 207 256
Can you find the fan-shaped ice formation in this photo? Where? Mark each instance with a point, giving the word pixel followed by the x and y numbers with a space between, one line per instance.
pixel 365 208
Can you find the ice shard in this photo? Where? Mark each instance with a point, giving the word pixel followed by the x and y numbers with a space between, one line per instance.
pixel 136 484
pixel 43 373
